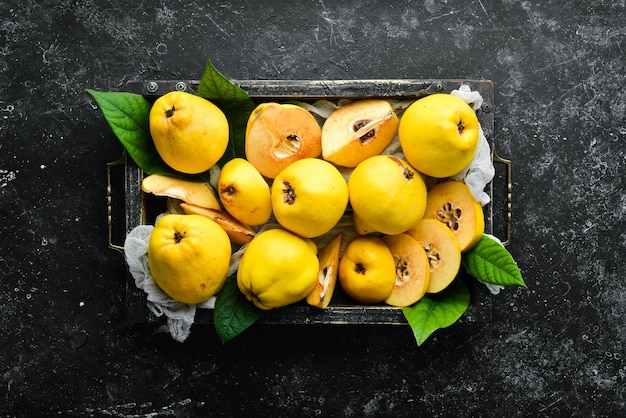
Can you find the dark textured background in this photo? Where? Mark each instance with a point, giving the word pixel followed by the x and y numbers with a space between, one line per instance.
pixel 554 349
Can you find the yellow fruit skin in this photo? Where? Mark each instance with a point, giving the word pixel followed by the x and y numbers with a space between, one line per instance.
pixel 383 199
pixel 277 269
pixel 244 192
pixel 429 135
pixel 189 132
pixel 367 271
pixel 480 227
pixel 320 197
pixel 189 257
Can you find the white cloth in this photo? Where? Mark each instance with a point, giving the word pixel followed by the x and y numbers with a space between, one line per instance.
pixel 481 170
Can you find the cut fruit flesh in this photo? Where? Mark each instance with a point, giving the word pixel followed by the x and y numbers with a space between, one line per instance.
pixel 453 204
pixel 192 192
pixel 279 134
pixel 358 130
pixel 442 249
pixel 237 232
pixel 412 270
pixel 323 291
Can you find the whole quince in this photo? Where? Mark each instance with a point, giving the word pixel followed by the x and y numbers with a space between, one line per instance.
pixel 278 268
pixel 439 135
pixel 189 257
pixel 277 134
pixel 244 192
pixel 309 197
pixel 367 271
pixel 387 195
pixel 190 133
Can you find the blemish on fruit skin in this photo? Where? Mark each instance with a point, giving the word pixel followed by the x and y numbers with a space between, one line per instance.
pixel 229 190
pixel 396 160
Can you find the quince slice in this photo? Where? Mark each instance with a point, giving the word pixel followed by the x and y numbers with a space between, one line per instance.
pixel 442 249
pixel 323 291
pixel 193 192
pixel 237 232
pixel 412 270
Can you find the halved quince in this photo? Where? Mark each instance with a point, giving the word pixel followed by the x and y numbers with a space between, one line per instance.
pixel 452 203
pixel 412 270
pixel 238 232
pixel 442 250
pixel 323 291
pixel 193 192
pixel 279 134
pixel 358 130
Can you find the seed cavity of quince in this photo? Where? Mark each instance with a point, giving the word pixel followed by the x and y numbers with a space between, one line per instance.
pixel 324 278
pixel 403 271
pixel 450 215
pixel 288 146
pixel 434 259
pixel 365 130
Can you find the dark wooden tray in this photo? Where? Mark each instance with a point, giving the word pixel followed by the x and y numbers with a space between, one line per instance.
pixel 140 208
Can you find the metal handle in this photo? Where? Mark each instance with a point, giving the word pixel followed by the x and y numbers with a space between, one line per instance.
pixel 120 161
pixel 509 195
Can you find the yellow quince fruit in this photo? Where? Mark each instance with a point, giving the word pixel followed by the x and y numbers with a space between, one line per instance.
pixel 367 270
pixel 189 257
pixel 387 195
pixel 309 197
pixel 278 268
pixel 439 135
pixel 190 133
pixel 244 192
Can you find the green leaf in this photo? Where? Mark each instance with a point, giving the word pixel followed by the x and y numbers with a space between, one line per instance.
pixel 234 102
pixel 438 310
pixel 128 115
pixel 491 263
pixel 233 313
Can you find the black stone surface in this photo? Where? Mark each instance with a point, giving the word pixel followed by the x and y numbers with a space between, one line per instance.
pixel 554 349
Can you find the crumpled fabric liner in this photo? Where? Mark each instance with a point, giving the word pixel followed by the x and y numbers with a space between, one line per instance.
pixel 180 316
